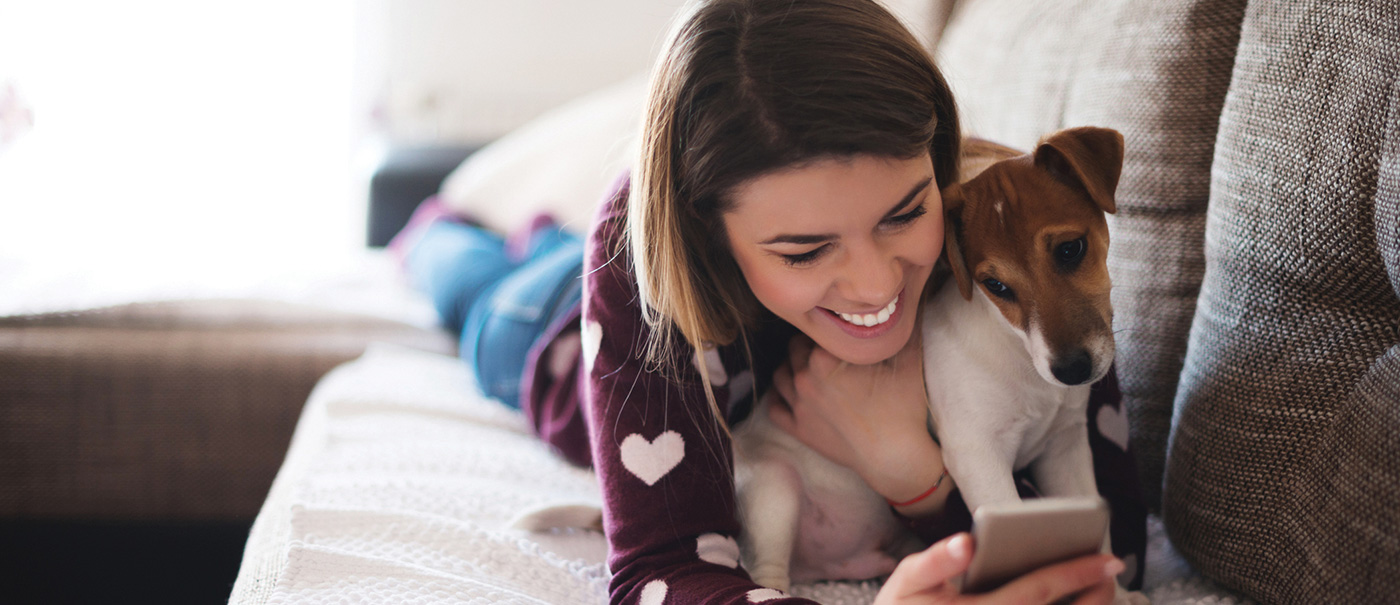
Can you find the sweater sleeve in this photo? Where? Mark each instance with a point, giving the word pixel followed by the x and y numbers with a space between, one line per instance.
pixel 665 467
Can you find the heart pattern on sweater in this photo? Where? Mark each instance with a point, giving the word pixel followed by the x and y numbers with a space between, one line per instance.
pixel 1113 425
pixel 718 549
pixel 652 460
pixel 759 595
pixel 592 340
pixel 654 593
pixel 711 367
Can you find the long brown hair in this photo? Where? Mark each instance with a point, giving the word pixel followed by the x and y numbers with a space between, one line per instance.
pixel 747 87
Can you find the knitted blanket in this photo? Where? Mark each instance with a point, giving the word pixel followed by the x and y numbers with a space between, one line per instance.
pixel 401 480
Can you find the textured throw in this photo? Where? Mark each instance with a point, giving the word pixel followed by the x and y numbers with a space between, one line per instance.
pixel 1157 71
pixel 401 480
pixel 1283 478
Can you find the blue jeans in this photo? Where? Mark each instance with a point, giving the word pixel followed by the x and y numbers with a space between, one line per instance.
pixel 499 305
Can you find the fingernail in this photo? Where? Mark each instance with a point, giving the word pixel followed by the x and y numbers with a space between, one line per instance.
pixel 1113 568
pixel 958 547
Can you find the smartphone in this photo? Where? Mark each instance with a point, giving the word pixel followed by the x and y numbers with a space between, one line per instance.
pixel 1015 538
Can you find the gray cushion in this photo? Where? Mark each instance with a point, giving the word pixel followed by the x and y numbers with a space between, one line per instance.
pixel 1156 71
pixel 1283 478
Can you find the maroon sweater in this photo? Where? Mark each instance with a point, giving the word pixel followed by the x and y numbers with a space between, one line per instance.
pixel 667 471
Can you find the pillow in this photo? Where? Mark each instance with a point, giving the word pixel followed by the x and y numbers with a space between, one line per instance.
pixel 1284 470
pixel 561 162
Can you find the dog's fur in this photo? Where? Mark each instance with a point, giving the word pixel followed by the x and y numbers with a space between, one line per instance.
pixel 1008 380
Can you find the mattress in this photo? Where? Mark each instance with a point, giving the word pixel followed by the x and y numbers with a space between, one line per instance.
pixel 400 483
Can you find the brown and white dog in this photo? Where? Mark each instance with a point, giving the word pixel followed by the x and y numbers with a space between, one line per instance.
pixel 1011 350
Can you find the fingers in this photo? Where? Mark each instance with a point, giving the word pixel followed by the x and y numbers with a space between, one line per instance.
pixel 1102 594
pixel 929 571
pixel 1057 581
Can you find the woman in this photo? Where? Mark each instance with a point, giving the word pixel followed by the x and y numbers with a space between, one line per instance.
pixel 780 227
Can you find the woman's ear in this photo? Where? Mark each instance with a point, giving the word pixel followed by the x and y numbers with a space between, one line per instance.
pixel 952 239
pixel 1087 157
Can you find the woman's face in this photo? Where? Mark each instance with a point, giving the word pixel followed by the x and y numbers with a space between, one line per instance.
pixel 841 248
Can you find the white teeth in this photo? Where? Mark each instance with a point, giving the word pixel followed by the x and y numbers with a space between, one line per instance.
pixel 871 319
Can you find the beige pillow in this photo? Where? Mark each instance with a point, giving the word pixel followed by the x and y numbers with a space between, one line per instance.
pixel 561 162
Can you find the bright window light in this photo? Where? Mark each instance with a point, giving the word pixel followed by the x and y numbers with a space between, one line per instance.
pixel 179 138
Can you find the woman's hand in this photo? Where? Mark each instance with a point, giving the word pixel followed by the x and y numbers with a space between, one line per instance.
pixel 924 577
pixel 872 419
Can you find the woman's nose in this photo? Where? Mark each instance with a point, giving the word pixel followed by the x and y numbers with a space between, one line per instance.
pixel 873 276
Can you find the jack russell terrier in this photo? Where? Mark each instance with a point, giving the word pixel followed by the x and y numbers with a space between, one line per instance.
pixel 1010 352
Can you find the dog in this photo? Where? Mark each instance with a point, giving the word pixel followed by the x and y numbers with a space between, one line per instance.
pixel 1012 350
pixel 1009 353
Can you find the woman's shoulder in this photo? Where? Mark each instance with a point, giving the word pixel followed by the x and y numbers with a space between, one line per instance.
pixel 609 227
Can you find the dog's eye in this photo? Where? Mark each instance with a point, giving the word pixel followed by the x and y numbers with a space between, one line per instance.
pixel 1069 253
pixel 999 289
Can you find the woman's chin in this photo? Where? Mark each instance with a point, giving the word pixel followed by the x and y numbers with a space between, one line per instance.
pixel 868 351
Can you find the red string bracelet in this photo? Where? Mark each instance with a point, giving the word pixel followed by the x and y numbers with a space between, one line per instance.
pixel 921 497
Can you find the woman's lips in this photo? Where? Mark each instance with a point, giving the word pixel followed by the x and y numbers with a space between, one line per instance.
pixel 879 326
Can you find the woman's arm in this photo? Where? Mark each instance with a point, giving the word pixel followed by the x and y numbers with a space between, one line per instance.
pixel 663 462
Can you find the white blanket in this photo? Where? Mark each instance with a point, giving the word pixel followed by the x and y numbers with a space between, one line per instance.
pixel 399 485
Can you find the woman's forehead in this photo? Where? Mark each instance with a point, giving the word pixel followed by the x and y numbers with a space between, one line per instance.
pixel 828 191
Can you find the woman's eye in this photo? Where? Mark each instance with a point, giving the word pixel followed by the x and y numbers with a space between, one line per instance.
pixel 804 258
pixel 1069 253
pixel 908 217
pixel 999 289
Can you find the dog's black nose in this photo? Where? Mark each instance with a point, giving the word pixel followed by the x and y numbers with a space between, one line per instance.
pixel 1073 368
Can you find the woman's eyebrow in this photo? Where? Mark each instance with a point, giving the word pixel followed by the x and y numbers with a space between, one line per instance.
pixel 909 197
pixel 818 238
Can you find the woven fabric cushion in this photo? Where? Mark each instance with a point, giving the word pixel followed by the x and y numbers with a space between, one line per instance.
pixel 174 410
pixel 1283 478
pixel 1156 71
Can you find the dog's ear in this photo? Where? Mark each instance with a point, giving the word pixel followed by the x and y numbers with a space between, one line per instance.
pixel 952 239
pixel 1087 157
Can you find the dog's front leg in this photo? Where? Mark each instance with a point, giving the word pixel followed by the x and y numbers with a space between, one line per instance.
pixel 982 469
pixel 770 501
pixel 1066 467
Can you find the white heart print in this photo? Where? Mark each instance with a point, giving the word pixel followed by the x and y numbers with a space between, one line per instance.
pixel 759 595
pixel 651 460
pixel 592 339
pixel 713 368
pixel 718 549
pixel 1113 425
pixel 654 593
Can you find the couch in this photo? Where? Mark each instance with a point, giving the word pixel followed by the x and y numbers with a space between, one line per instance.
pixel 140 432
pixel 1256 263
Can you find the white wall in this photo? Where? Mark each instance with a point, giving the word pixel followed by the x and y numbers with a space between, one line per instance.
pixel 471 70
